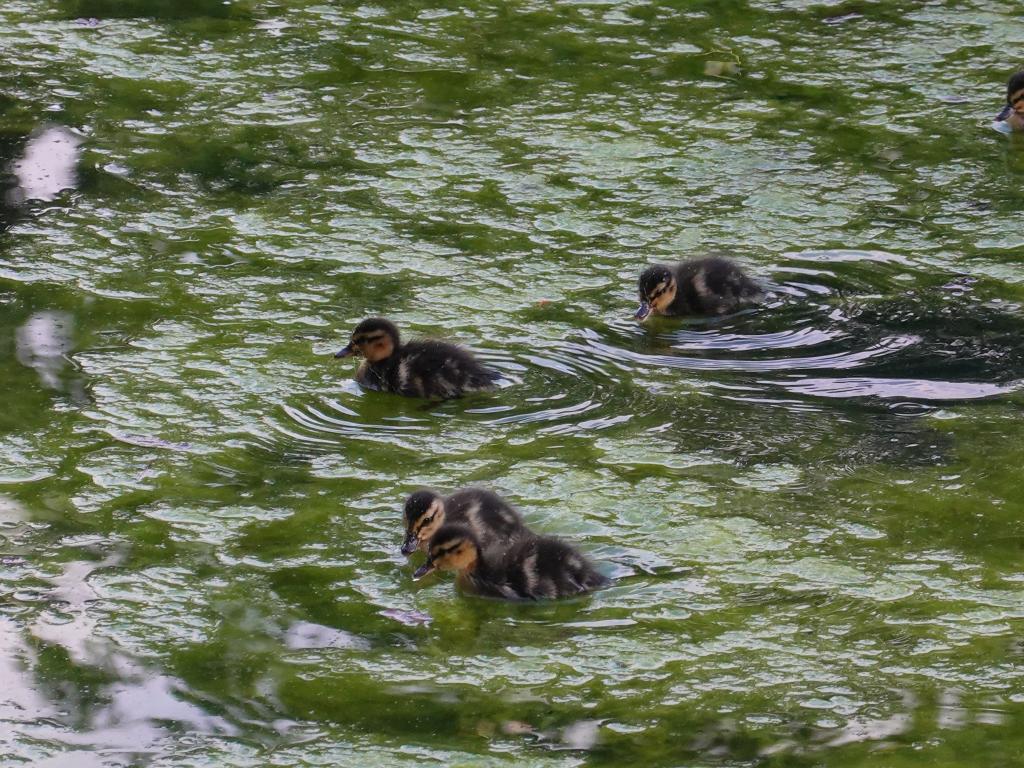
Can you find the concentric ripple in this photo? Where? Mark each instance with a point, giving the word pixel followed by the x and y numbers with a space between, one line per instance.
pixel 853 335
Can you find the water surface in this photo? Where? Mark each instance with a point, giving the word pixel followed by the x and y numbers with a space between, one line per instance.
pixel 813 510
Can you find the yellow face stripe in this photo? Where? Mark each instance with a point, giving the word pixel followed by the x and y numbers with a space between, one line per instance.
pixel 427 517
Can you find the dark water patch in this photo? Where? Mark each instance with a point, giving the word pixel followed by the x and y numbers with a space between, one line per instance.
pixel 751 431
pixel 356 296
pixel 962 336
pixel 941 343
pixel 10 144
pixel 895 440
pixel 157 9
pixel 460 235
pixel 253 160
pixel 134 99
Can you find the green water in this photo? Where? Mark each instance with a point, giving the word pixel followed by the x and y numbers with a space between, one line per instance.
pixel 814 511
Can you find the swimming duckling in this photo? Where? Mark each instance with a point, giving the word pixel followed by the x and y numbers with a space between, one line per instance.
pixel 701 287
pixel 1013 112
pixel 423 368
pixel 531 569
pixel 493 521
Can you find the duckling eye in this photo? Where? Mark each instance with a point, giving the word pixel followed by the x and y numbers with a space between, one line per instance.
pixel 428 520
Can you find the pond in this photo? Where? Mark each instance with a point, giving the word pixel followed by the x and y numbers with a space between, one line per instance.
pixel 812 510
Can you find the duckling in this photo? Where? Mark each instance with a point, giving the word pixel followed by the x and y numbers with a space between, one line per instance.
pixel 492 519
pixel 425 368
pixel 531 569
pixel 1013 112
pixel 701 287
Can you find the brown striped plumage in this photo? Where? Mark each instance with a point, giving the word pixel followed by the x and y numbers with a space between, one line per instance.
pixel 494 522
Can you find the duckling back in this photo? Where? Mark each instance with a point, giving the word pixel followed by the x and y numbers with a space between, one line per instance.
pixel 496 525
pixel 430 369
pixel 712 286
pixel 542 567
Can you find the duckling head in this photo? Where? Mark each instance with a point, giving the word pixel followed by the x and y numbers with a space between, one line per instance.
pixel 657 290
pixel 453 548
pixel 375 339
pixel 424 516
pixel 1014 101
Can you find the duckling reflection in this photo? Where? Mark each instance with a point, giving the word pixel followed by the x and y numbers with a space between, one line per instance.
pixel 43 343
pixel 424 368
pixel 534 568
pixel 1013 112
pixel 710 286
pixel 492 519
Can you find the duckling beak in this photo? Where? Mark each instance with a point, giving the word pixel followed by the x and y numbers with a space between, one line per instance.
pixel 423 570
pixel 410 545
pixel 346 352
pixel 643 311
pixel 1005 113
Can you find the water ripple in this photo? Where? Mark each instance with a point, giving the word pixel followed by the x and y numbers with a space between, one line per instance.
pixel 836 360
pixel 909 389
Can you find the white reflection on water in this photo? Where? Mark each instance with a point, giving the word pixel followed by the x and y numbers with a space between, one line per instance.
pixel 919 389
pixel 134 708
pixel 42 343
pixel 47 166
pixel 20 701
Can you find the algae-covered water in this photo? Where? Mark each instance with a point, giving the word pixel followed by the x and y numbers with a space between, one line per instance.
pixel 813 511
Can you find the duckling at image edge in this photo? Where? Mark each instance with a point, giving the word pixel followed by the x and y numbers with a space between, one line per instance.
pixel 710 286
pixel 1013 112
pixel 424 368
pixel 533 569
pixel 491 519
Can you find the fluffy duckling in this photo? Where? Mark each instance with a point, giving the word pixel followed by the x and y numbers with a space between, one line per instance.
pixel 491 519
pixel 423 368
pixel 534 568
pixel 1013 112
pixel 700 287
